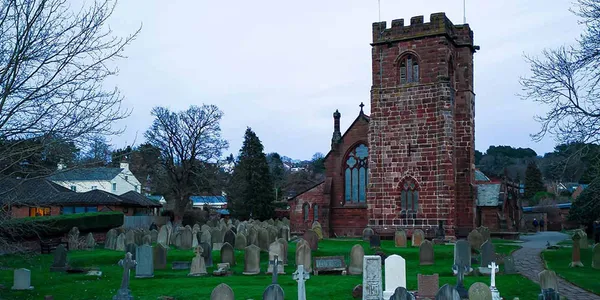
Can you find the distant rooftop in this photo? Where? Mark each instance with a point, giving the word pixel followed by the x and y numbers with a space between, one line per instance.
pixel 479 176
pixel 100 173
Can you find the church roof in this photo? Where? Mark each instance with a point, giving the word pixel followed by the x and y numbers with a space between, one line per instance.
pixel 361 116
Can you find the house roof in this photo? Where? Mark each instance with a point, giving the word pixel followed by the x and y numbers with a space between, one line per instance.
pixel 100 173
pixel 30 191
pixel 97 197
pixel 201 200
pixel 479 176
pixel 326 191
pixel 139 198
pixel 488 194
pixel 559 205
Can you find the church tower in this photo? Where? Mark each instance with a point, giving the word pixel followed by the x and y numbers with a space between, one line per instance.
pixel 421 129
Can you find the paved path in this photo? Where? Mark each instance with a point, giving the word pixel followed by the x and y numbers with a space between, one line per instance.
pixel 529 263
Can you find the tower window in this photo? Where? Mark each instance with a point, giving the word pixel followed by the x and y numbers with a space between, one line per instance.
pixel 409 195
pixel 409 69
pixel 356 175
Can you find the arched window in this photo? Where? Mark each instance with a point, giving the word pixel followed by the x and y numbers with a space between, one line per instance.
pixel 305 209
pixel 409 196
pixel 316 212
pixel 356 174
pixel 409 69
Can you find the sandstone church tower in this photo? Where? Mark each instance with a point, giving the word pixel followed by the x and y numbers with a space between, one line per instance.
pixel 421 128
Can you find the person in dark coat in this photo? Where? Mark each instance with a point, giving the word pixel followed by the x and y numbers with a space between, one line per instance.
pixel 535 224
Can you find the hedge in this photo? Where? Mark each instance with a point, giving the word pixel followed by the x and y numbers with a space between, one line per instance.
pixel 59 225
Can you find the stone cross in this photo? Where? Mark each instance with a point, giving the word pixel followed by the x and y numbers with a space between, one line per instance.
pixel 300 275
pixel 460 276
pixel 275 263
pixel 493 289
pixel 127 265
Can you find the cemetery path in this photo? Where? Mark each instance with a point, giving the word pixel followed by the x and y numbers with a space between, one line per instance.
pixel 529 263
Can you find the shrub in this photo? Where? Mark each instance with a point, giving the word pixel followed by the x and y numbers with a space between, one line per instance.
pixel 539 196
pixel 194 216
pixel 586 208
pixel 59 225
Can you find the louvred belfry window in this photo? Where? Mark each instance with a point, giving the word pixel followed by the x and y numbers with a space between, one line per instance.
pixel 355 175
pixel 409 69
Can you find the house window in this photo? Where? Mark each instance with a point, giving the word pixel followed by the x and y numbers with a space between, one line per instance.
pixel 356 175
pixel 135 188
pixel 114 187
pixel 94 187
pixel 409 196
pixel 73 188
pixel 39 211
pixel 305 209
pixel 67 210
pixel 409 69
pixel 316 212
pixel 126 178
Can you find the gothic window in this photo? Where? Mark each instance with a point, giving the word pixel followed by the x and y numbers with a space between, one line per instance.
pixel 409 69
pixel 356 170
pixel 316 212
pixel 409 196
pixel 305 209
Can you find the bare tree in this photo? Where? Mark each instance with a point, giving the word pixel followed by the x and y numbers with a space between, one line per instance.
pixel 187 140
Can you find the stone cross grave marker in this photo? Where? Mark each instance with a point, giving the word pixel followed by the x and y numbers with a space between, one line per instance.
pixel 460 272
pixel 22 280
pixel 301 276
pixel 576 254
pixel 127 263
pixel 372 289
pixel 275 263
pixel 495 292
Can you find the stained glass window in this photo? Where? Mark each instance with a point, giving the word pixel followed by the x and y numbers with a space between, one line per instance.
pixel 356 175
pixel 316 212
pixel 409 196
pixel 409 69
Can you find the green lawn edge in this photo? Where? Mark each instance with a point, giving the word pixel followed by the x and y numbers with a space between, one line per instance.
pixel 558 260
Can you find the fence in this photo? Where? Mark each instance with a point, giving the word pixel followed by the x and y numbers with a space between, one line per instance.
pixel 143 221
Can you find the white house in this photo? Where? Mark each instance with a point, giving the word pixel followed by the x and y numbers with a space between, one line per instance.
pixel 116 181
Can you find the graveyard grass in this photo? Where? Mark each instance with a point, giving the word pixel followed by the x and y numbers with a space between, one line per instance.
pixel 177 284
pixel 559 260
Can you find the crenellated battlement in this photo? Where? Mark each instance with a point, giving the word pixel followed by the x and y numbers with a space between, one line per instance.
pixel 438 24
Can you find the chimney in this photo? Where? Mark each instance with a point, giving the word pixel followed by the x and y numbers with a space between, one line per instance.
pixel 337 135
pixel 124 164
pixel 61 165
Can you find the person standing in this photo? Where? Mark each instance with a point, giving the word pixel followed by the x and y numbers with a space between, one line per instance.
pixel 541 224
pixel 535 224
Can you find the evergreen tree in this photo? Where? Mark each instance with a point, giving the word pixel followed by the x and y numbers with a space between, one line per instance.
pixel 533 181
pixel 251 191
pixel 277 173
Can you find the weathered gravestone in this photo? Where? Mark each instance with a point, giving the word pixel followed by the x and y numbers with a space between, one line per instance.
pixel 316 227
pixel 367 233
pixel 395 274
pixel 329 264
pixel 228 254
pixel 475 239
pixel 596 256
pixel 372 287
pixel 131 248
pixel 90 242
pixel 222 292
pixel 273 292
pixel 147 240
pixel 583 241
pixel 284 255
pixel 488 255
pixel 198 267
pixel 145 263
pixel 460 272
pixel 402 294
pixel 304 256
pixel 418 236
pixel 130 237
pixel 181 265
pixel 428 285
pixel 185 238
pixel 263 239
pixel 576 252
pixel 153 236
pixel 163 236
pixel 426 254
pixel 480 291
pixel 160 257
pixel 485 233
pixel 447 292
pixel 253 237
pixel 284 232
pixel 22 280
pixel 301 276
pixel 548 280
pixel 549 294
pixel 312 239
pixel 195 241
pixel 216 238
pixel 462 254
pixel 357 255
pixel 205 237
pixel 400 238
pixel 110 242
pixel 73 238
pixel 251 260
pixel 127 264
pixel 120 244
pixel 275 250
pixel 60 259
pixel 230 238
pixel 207 254
pixel 375 241
pixel 240 241
pixel 509 265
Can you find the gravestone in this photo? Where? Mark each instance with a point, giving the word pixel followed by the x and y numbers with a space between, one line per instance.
pixel 160 257
pixel 402 294
pixel 301 276
pixel 372 288
pixel 428 285
pixel 252 260
pixel 73 238
pixel 127 264
pixel 216 239
pixel 395 274
pixel 130 237
pixel 304 256
pixel 447 292
pixel 181 265
pixel 480 291
pixel 284 255
pixel 367 233
pixel 426 254
pixel 147 240
pixel 22 280
pixel 417 238
pixel 110 242
pixel 485 233
pixel 263 239
pixel 488 255
pixel 576 252
pixel 462 254
pixel 145 263
pixel 475 239
pixel 460 272
pixel 60 259
pixel 495 293
pixel 222 292
pixel 186 238
pixel 375 241
pixel 131 248
pixel 228 254
pixel 205 237
pixel 596 256
pixel 120 244
pixel 240 242
pixel 329 264
pixel 195 241
pixel 549 294
pixel 583 241
pixel 356 260
pixel 163 236
pixel 230 238
pixel 90 242
pixel 273 292
pixel 284 232
pixel 275 263
pixel 509 265
pixel 400 238
pixel 276 250
pixel 318 230
pixel 207 254
pixel 153 236
pixel 198 267
pixel 312 239
pixel 253 237
pixel 548 280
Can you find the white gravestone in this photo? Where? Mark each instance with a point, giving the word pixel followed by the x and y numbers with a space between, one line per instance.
pixel 493 289
pixel 22 280
pixel 372 289
pixel 395 274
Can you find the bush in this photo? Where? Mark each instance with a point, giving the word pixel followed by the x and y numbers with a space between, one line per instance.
pixel 194 216
pixel 539 196
pixel 586 208
pixel 59 225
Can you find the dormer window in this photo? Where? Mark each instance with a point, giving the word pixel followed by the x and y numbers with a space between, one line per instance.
pixel 409 69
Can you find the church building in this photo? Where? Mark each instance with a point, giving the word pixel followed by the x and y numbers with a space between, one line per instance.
pixel 410 163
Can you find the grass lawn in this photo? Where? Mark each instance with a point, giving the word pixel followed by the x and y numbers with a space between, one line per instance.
pixel 177 284
pixel 558 261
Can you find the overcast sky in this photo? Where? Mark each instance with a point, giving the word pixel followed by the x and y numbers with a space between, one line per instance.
pixel 283 67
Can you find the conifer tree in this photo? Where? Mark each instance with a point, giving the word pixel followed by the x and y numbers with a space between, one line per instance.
pixel 251 192
pixel 533 181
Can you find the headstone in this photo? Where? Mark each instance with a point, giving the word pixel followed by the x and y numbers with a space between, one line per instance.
pixel 402 294
pixel 263 239
pixel 304 256
pixel 216 238
pixel 428 285
pixel 485 233
pixel 240 242
pixel 284 232
pixel 549 294
pixel 418 236
pixel 357 292
pixel 509 265
pixel 198 267
pixel 207 254
pixel 130 237
pixel 375 241
pixel 228 254
pixel 475 239
pixel 22 280
pixel 273 292
pixel 163 236
pixel 160 257
pixel 110 242
pixel 583 242
pixel 251 260
pixel 147 240
pixel 367 233
pixel 479 291
pixel 120 244
pixel 596 256
pixel 462 253
pixel 60 259
pixel 426 254
pixel 447 292
pixel 356 260
pixel 495 293
pixel 186 237
pixel 312 239
pixel 205 237
pixel 153 236
pixel 488 255
pixel 181 265
pixel 395 274
pixel 222 292
pixel 318 230
pixel 230 238
pixel 460 272
pixel 90 242
pixel 548 280
pixel 284 255
pixel 73 238
pixel 131 248
pixel 144 267
pixel 372 288
pixel 275 250
pixel 400 238
pixel 127 264
pixel 329 264
pixel 301 276
pixel 253 237
pixel 576 252
pixel 195 241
